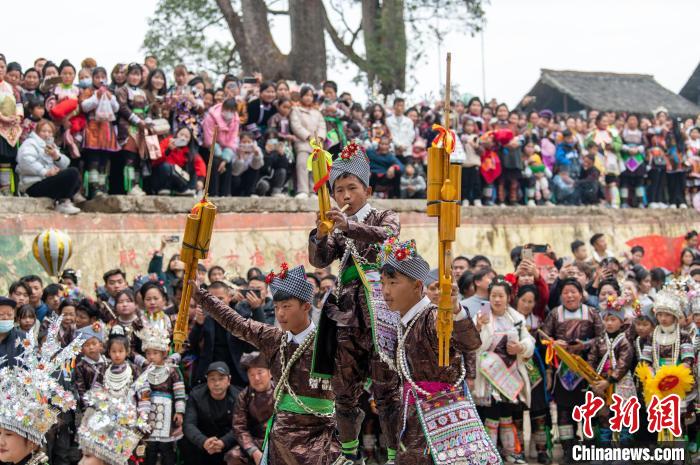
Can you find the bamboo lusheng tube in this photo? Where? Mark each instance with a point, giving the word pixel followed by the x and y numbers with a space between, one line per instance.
pixel 327 226
pixel 435 180
pixel 204 232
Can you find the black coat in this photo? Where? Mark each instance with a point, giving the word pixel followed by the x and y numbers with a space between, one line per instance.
pixel 206 333
pixel 10 347
pixel 203 420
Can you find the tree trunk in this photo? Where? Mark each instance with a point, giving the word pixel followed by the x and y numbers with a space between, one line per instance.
pixel 393 75
pixel 251 33
pixel 307 58
pixel 385 43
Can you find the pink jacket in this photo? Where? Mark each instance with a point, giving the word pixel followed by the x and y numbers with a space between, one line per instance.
pixel 228 132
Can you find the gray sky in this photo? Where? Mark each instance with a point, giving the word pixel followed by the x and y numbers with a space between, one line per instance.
pixel 632 36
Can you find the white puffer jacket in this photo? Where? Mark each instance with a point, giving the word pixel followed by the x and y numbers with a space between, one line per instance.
pixel 33 162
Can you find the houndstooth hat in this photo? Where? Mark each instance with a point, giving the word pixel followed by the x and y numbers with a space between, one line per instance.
pixel 352 160
pixel 619 313
pixel 403 256
pixel 293 282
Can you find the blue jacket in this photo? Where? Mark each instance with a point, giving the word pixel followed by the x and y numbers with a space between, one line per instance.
pixel 567 155
pixel 380 163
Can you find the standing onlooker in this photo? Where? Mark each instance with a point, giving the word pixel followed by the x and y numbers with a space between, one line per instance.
pixel 261 109
pixel 307 123
pixel 635 167
pixel 335 112
pixel 100 138
pixel 401 128
pixel 45 172
pixel 225 117
pixel 133 112
pixel 609 144
pixel 471 179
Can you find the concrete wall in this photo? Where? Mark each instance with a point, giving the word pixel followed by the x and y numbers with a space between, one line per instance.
pixel 123 232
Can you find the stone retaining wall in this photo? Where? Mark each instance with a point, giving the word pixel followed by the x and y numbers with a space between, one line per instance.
pixel 124 231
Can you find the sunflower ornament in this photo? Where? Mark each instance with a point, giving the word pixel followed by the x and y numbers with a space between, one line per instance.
pixel 668 380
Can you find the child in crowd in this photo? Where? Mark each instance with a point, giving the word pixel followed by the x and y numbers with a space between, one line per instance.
pixel 65 109
pixel 471 180
pixel 27 321
pixel 161 392
pixel 564 187
pixel 538 193
pixel 90 368
pixel 386 169
pixel 412 184
pixel 34 112
pixel 611 356
pixel 120 372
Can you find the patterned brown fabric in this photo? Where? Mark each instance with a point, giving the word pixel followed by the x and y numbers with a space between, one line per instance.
pixel 294 439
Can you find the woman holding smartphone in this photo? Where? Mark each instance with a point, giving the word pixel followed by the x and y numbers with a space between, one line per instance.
pixel 178 169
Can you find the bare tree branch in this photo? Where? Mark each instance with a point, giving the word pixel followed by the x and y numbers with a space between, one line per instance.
pixel 277 12
pixel 355 34
pixel 340 13
pixel 343 48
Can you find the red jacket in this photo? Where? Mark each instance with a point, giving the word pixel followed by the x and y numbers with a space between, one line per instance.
pixel 542 299
pixel 179 156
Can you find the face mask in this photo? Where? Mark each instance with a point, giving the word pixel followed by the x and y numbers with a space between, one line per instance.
pixel 6 326
pixel 85 83
pixel 227 115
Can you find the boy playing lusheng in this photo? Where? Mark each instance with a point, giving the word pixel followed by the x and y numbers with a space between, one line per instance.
pixel 303 425
pixel 355 241
pixel 448 425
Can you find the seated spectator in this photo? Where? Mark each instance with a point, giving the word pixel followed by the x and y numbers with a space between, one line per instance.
pixel 277 167
pixel 208 418
pixel 568 154
pixel 246 166
pixel 45 172
pixel 10 335
pixel 386 169
pixel 412 184
pixel 254 408
pixel 225 117
pixel 564 187
pixel 179 169
pixel 588 187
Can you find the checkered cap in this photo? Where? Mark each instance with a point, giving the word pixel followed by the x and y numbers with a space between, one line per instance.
pixel 352 160
pixel 617 313
pixel 403 257
pixel 433 276
pixel 294 283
